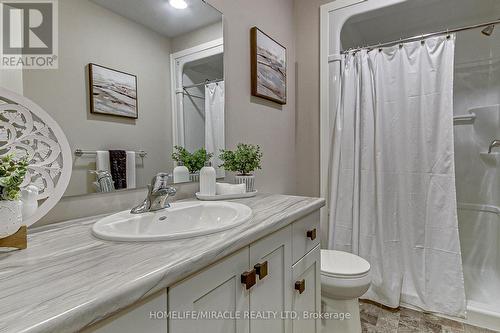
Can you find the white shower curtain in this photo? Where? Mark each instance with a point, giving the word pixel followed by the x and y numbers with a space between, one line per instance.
pixel 214 123
pixel 393 200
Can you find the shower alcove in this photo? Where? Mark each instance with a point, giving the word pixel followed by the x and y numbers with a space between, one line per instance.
pixel 347 24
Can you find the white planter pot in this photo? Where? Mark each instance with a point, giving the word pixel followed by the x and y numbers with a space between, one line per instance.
pixel 194 177
pixel 248 180
pixel 10 217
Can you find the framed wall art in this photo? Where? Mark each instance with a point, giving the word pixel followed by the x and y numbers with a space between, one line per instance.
pixel 112 92
pixel 269 64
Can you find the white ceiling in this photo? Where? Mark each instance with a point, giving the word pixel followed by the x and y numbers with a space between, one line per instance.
pixel 159 16
pixel 213 66
pixel 416 17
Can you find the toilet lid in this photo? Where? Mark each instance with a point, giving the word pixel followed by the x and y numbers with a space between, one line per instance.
pixel 339 263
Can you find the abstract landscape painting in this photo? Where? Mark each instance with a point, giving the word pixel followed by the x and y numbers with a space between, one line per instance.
pixel 268 67
pixel 112 92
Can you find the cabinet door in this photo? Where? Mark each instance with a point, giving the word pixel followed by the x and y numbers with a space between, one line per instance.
pixel 217 288
pixel 307 295
pixel 272 293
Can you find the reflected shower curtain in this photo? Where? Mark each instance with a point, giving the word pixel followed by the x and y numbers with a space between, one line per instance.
pixel 393 198
pixel 214 123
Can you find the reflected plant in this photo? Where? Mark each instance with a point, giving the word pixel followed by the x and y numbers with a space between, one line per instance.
pixel 193 161
pixel 12 173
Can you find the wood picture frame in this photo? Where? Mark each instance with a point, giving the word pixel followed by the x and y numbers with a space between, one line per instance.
pixel 112 92
pixel 268 67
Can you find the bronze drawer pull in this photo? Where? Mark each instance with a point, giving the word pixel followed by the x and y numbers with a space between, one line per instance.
pixel 249 279
pixel 261 270
pixel 311 234
pixel 300 286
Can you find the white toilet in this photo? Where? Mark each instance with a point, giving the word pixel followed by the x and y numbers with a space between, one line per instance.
pixel 344 278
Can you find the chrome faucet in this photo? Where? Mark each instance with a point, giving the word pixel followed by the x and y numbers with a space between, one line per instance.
pixel 158 193
pixel 494 143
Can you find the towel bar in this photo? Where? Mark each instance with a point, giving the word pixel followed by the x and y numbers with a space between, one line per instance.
pixel 466 118
pixel 80 153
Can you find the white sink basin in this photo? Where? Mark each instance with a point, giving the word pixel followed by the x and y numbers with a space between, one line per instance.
pixel 182 220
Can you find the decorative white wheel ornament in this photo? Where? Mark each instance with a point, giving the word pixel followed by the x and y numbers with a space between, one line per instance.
pixel 26 130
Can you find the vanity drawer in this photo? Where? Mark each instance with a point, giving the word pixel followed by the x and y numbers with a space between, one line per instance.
pixel 305 235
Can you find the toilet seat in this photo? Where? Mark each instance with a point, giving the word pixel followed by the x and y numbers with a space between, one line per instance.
pixel 343 265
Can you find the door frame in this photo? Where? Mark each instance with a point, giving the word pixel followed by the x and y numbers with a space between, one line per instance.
pixel 177 63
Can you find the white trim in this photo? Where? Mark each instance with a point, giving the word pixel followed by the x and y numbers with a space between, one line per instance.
pixel 324 118
pixel 62 141
pixel 339 4
pixel 177 62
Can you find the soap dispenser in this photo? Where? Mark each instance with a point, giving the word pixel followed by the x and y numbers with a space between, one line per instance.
pixel 30 202
pixel 207 179
pixel 181 173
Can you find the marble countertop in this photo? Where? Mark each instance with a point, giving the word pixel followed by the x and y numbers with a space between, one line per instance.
pixel 67 279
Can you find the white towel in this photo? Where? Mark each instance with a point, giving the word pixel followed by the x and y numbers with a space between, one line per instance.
pixel 131 173
pixel 102 160
pixel 225 188
pixel 214 123
pixel 102 163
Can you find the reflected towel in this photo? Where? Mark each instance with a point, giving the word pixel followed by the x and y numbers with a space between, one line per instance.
pixel 102 160
pixel 118 168
pixel 131 174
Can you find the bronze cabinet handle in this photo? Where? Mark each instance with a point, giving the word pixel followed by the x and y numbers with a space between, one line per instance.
pixel 249 279
pixel 300 286
pixel 311 234
pixel 261 270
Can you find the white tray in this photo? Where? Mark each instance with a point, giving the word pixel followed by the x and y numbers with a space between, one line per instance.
pixel 225 196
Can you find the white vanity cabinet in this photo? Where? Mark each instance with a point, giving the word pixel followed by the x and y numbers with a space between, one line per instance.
pixel 260 288
pixel 262 282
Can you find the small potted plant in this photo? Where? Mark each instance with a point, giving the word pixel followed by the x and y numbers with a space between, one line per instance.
pixel 244 161
pixel 193 161
pixel 12 173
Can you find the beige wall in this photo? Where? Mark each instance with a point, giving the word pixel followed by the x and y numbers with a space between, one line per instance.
pixel 307 143
pixel 254 120
pixel 12 79
pixel 92 34
pixel 196 37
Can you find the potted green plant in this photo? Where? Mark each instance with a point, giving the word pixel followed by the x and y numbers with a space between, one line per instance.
pixel 193 161
pixel 244 161
pixel 12 173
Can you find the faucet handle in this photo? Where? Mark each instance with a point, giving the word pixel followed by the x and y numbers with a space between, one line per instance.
pixel 159 181
pixel 494 143
pixel 160 184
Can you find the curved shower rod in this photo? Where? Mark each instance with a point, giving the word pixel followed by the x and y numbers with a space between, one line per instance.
pixel 424 36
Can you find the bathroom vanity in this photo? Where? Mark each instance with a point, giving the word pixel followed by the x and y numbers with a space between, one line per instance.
pixel 126 112
pixel 69 280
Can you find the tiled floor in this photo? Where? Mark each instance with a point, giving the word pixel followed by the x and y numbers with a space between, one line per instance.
pixel 375 319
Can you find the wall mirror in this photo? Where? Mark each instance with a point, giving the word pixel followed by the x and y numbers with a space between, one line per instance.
pixel 135 80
